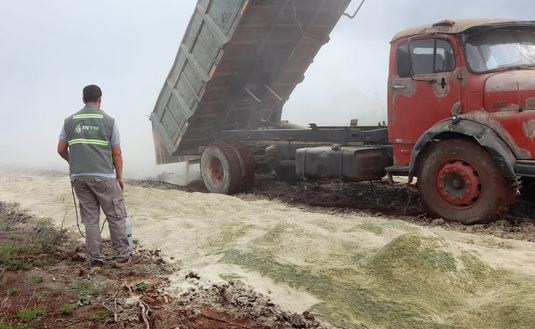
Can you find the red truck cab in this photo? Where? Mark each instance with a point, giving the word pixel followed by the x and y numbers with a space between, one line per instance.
pixel 458 89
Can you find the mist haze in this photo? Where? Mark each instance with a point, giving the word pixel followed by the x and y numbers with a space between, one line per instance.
pixel 52 49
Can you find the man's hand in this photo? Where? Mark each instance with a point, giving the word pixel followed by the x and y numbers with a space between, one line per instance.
pixel 121 183
pixel 63 150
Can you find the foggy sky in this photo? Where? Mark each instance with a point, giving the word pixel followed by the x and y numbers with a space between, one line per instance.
pixel 51 49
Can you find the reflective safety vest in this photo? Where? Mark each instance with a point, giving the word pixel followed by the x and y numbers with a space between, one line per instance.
pixel 89 134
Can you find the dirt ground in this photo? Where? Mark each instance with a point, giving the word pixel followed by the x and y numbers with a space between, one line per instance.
pixel 55 289
pixel 63 293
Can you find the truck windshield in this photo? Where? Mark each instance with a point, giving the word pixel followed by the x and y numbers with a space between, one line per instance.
pixel 501 48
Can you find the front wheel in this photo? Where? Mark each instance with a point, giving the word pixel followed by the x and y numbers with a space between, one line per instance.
pixel 459 181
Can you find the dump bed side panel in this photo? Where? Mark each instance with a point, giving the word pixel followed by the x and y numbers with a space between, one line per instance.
pixel 238 63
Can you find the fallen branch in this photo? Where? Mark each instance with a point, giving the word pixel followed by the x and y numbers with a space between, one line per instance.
pixel 76 321
pixel 113 311
pixel 165 310
pixel 224 321
pixel 6 303
pixel 127 286
pixel 145 313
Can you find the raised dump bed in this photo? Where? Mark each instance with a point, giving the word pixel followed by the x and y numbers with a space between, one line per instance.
pixel 238 63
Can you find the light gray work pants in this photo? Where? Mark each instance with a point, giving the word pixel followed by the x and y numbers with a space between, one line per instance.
pixel 94 192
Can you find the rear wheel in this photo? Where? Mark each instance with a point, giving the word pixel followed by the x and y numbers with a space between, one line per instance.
pixel 459 181
pixel 220 168
pixel 247 164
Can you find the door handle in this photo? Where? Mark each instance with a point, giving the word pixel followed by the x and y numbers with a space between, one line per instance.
pixel 443 83
pixel 398 87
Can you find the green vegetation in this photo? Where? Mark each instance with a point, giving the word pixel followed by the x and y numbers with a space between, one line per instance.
pixel 48 237
pixel 25 239
pixel 37 279
pixel 8 257
pixel 16 265
pixel 45 238
pixel 31 315
pixel 14 326
pixel 42 294
pixel 88 287
pixel 17 237
pixel 101 316
pixel 68 309
pixel 230 277
pixel 44 263
pixel 84 300
pixel 9 251
pixel 415 281
pixel 373 228
pixel 140 286
pixel 82 285
pixel 229 235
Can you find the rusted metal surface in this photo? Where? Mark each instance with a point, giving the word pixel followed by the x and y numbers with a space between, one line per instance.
pixel 501 103
pixel 509 109
pixel 488 130
pixel 528 127
pixel 510 91
pixel 478 127
pixel 419 102
pixel 521 131
pixel 459 26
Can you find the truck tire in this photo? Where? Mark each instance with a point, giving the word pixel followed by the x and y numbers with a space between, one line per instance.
pixel 220 168
pixel 247 165
pixel 459 181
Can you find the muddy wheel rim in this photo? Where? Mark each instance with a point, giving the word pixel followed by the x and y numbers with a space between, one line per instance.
pixel 458 183
pixel 217 173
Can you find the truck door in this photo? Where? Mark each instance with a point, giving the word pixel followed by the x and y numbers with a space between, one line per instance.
pixel 424 88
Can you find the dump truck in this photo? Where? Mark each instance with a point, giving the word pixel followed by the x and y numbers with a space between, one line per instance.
pixel 461 106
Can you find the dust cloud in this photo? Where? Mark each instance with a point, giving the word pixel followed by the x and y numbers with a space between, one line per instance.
pixel 138 161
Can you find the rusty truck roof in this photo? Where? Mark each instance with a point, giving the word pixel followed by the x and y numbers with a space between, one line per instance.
pixel 458 26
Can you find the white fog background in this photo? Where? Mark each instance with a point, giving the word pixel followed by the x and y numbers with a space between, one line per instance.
pixel 51 49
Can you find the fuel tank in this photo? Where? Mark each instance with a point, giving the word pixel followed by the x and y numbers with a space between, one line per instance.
pixel 348 163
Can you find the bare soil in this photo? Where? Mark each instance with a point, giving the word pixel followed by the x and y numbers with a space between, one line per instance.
pixel 138 297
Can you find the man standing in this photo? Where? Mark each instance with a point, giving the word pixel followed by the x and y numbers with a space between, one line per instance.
pixel 90 143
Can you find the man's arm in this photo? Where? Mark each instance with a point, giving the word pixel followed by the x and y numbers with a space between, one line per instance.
pixel 118 163
pixel 63 150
